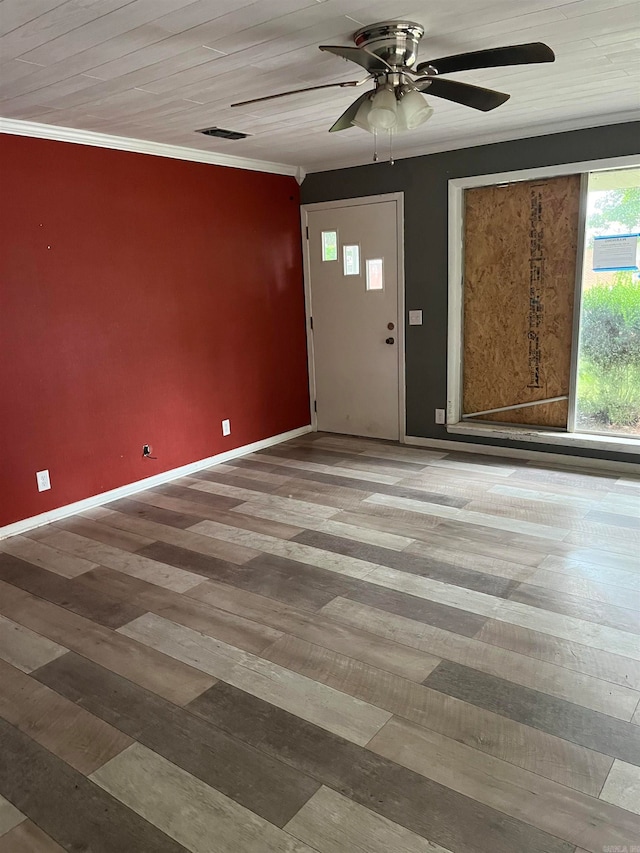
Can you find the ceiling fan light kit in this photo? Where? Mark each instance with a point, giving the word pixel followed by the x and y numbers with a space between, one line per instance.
pixel 388 51
pixel 392 110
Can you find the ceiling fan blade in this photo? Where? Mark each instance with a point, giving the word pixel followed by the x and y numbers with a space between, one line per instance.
pixel 349 114
pixel 462 93
pixel 343 85
pixel 515 54
pixel 356 54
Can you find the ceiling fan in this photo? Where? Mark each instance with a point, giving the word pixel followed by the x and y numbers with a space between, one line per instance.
pixel 388 51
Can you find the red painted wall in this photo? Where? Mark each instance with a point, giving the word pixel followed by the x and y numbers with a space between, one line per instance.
pixel 142 300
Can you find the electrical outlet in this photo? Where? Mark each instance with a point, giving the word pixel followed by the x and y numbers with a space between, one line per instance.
pixel 226 427
pixel 440 416
pixel 43 480
pixel 415 318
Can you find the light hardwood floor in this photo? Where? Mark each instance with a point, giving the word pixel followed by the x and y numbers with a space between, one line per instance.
pixel 332 646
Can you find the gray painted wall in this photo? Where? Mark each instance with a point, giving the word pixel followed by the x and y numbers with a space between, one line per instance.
pixel 424 183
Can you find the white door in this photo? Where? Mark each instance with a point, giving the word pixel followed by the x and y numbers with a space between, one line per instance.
pixel 352 268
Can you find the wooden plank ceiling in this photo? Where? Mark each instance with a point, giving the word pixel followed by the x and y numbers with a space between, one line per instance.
pixel 161 69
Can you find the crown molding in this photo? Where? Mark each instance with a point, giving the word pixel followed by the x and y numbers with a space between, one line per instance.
pixel 456 144
pixel 143 146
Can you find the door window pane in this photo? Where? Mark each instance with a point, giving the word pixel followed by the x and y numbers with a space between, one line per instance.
pixel 608 386
pixel 351 260
pixel 375 274
pixel 329 245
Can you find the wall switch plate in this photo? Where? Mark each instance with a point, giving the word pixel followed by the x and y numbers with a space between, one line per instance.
pixel 440 416
pixel 415 318
pixel 226 427
pixel 43 480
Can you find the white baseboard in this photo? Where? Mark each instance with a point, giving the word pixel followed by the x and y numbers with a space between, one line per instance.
pixel 148 483
pixel 548 457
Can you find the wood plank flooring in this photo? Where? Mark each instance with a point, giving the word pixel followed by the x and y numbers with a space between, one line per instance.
pixel 335 645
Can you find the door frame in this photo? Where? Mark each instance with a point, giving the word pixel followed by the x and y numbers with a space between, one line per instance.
pixel 305 209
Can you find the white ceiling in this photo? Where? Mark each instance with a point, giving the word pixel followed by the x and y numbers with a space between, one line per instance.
pixel 160 69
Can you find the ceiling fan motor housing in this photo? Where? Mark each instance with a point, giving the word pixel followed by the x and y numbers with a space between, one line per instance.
pixel 394 42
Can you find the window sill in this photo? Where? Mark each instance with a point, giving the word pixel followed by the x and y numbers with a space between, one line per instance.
pixel 616 443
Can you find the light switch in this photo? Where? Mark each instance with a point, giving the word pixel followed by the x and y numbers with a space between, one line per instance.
pixel 415 318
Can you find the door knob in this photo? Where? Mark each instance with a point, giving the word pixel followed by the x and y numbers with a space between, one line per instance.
pixel 390 341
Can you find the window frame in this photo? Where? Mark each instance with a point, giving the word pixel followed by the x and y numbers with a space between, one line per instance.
pixel 455 423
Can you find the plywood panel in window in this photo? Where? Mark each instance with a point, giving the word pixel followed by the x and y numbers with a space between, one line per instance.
pixel 519 280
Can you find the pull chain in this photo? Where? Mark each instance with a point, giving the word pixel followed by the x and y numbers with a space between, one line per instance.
pixel 391 160
pixel 375 145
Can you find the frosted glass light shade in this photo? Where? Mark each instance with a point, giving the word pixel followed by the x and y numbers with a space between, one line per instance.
pixel 413 110
pixel 383 114
pixel 362 116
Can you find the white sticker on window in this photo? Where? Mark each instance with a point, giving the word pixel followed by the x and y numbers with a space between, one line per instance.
pixel 375 275
pixel 329 245
pixel 351 260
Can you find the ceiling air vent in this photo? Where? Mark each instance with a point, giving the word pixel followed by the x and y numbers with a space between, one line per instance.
pixel 222 133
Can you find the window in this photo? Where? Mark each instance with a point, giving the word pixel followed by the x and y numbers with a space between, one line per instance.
pixel 544 333
pixel 608 369
pixel 375 274
pixel 351 260
pixel 329 245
